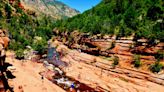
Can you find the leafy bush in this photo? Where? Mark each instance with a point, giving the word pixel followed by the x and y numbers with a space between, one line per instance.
pixel 156 67
pixel 20 54
pixel 115 61
pixel 137 61
pixel 159 55
pixel 40 46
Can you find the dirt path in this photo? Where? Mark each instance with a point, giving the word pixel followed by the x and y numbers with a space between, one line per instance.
pixel 27 76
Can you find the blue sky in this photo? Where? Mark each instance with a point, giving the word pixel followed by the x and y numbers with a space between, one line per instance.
pixel 81 5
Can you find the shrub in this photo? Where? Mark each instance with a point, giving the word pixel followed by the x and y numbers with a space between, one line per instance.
pixel 115 61
pixel 156 67
pixel 137 61
pixel 20 54
pixel 40 46
pixel 159 55
pixel 113 43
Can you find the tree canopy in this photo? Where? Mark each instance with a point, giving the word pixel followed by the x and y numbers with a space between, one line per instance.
pixel 144 18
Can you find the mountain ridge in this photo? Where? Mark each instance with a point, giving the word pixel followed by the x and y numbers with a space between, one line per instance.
pixel 52 8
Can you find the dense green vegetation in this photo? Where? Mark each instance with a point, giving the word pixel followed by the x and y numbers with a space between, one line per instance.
pixel 19 54
pixel 24 26
pixel 122 18
pixel 115 61
pixel 156 67
pixel 137 61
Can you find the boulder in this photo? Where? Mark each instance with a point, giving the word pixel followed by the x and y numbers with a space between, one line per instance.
pixel 6 41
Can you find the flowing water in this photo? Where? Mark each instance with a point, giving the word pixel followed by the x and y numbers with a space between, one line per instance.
pixel 62 80
pixel 67 82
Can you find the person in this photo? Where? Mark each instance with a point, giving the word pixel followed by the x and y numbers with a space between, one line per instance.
pixel 42 77
pixel 72 88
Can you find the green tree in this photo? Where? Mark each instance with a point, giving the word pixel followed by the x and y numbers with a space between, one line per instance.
pixel 137 61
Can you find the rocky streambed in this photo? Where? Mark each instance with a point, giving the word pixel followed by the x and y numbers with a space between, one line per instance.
pixel 97 72
pixel 58 77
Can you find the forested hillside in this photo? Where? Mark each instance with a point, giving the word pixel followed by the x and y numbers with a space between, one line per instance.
pixel 24 26
pixel 144 18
